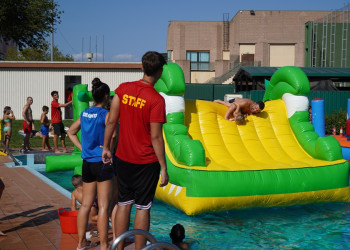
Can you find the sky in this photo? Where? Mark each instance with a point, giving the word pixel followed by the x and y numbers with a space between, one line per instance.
pixel 123 31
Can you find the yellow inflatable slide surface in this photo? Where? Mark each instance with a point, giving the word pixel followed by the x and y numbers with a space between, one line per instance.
pixel 259 163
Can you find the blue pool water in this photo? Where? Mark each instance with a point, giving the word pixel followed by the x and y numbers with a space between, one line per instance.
pixel 317 226
pixel 62 178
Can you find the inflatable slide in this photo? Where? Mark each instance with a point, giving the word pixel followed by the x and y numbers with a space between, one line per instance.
pixel 274 159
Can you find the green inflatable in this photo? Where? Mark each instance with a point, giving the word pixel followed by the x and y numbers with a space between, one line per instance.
pixel 81 99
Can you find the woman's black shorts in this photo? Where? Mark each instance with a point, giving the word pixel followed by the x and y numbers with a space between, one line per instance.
pixel 97 171
pixel 137 183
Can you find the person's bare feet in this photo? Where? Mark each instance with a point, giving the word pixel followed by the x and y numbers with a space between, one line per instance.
pixel 45 150
pixel 57 151
pixel 86 244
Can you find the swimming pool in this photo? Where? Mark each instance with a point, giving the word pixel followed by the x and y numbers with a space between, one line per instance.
pixel 317 226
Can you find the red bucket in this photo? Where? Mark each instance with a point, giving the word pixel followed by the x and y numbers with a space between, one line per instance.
pixel 68 220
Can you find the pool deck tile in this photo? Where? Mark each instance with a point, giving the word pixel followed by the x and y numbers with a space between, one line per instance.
pixel 28 212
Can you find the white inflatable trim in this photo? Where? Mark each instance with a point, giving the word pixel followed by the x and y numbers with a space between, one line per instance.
pixel 295 103
pixel 173 103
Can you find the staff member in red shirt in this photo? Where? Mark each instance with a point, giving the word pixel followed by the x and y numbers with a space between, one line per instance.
pixel 140 151
pixel 56 121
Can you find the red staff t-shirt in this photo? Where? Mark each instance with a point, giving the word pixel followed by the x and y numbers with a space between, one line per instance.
pixel 140 104
pixel 56 114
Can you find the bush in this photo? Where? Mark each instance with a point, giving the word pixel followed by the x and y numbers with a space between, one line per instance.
pixel 337 119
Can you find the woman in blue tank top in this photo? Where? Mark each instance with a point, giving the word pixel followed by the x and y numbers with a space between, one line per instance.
pixel 96 176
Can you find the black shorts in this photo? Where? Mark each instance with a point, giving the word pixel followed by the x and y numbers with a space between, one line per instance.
pixel 96 171
pixel 58 128
pixel 137 183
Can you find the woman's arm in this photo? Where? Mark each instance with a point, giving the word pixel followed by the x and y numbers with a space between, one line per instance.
pixel 9 117
pixel 110 127
pixel 12 117
pixel 72 133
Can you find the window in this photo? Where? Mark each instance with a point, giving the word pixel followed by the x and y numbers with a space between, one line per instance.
pixel 199 60
pixel 170 55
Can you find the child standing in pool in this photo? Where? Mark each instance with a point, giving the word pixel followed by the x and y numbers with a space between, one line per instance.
pixel 7 119
pixel 96 175
pixel 45 125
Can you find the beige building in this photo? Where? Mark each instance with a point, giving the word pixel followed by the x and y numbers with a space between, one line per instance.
pixel 213 51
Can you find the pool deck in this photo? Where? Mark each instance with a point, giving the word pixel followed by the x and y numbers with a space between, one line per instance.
pixel 28 212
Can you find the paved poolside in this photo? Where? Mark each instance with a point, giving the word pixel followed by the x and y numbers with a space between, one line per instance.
pixel 28 212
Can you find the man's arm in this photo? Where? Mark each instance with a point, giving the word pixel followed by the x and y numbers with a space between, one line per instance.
pixel 227 104
pixel 110 128
pixel 237 111
pixel 24 113
pixel 232 111
pixel 63 105
pixel 158 146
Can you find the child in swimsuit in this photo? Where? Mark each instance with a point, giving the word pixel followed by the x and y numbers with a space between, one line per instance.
pixel 45 129
pixel 77 196
pixel 7 119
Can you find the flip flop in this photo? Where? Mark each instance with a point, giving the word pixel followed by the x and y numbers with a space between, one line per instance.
pixel 88 235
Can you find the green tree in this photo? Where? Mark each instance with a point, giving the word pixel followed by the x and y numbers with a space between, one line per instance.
pixel 28 22
pixel 337 120
pixel 36 54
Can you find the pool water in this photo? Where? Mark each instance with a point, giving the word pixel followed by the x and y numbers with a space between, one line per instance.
pixel 62 178
pixel 316 226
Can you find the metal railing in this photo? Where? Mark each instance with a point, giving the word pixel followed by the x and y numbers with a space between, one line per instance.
pixel 230 73
pixel 10 154
pixel 154 243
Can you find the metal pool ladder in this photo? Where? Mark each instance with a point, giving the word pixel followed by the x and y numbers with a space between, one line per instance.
pixel 10 154
pixel 154 243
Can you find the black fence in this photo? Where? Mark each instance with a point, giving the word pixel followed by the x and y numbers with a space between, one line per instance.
pixel 334 100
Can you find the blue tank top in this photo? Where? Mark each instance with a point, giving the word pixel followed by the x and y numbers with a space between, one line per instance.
pixel 92 133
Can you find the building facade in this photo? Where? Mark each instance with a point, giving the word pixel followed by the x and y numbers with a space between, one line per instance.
pixel 207 50
pixel 37 79
pixel 327 40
